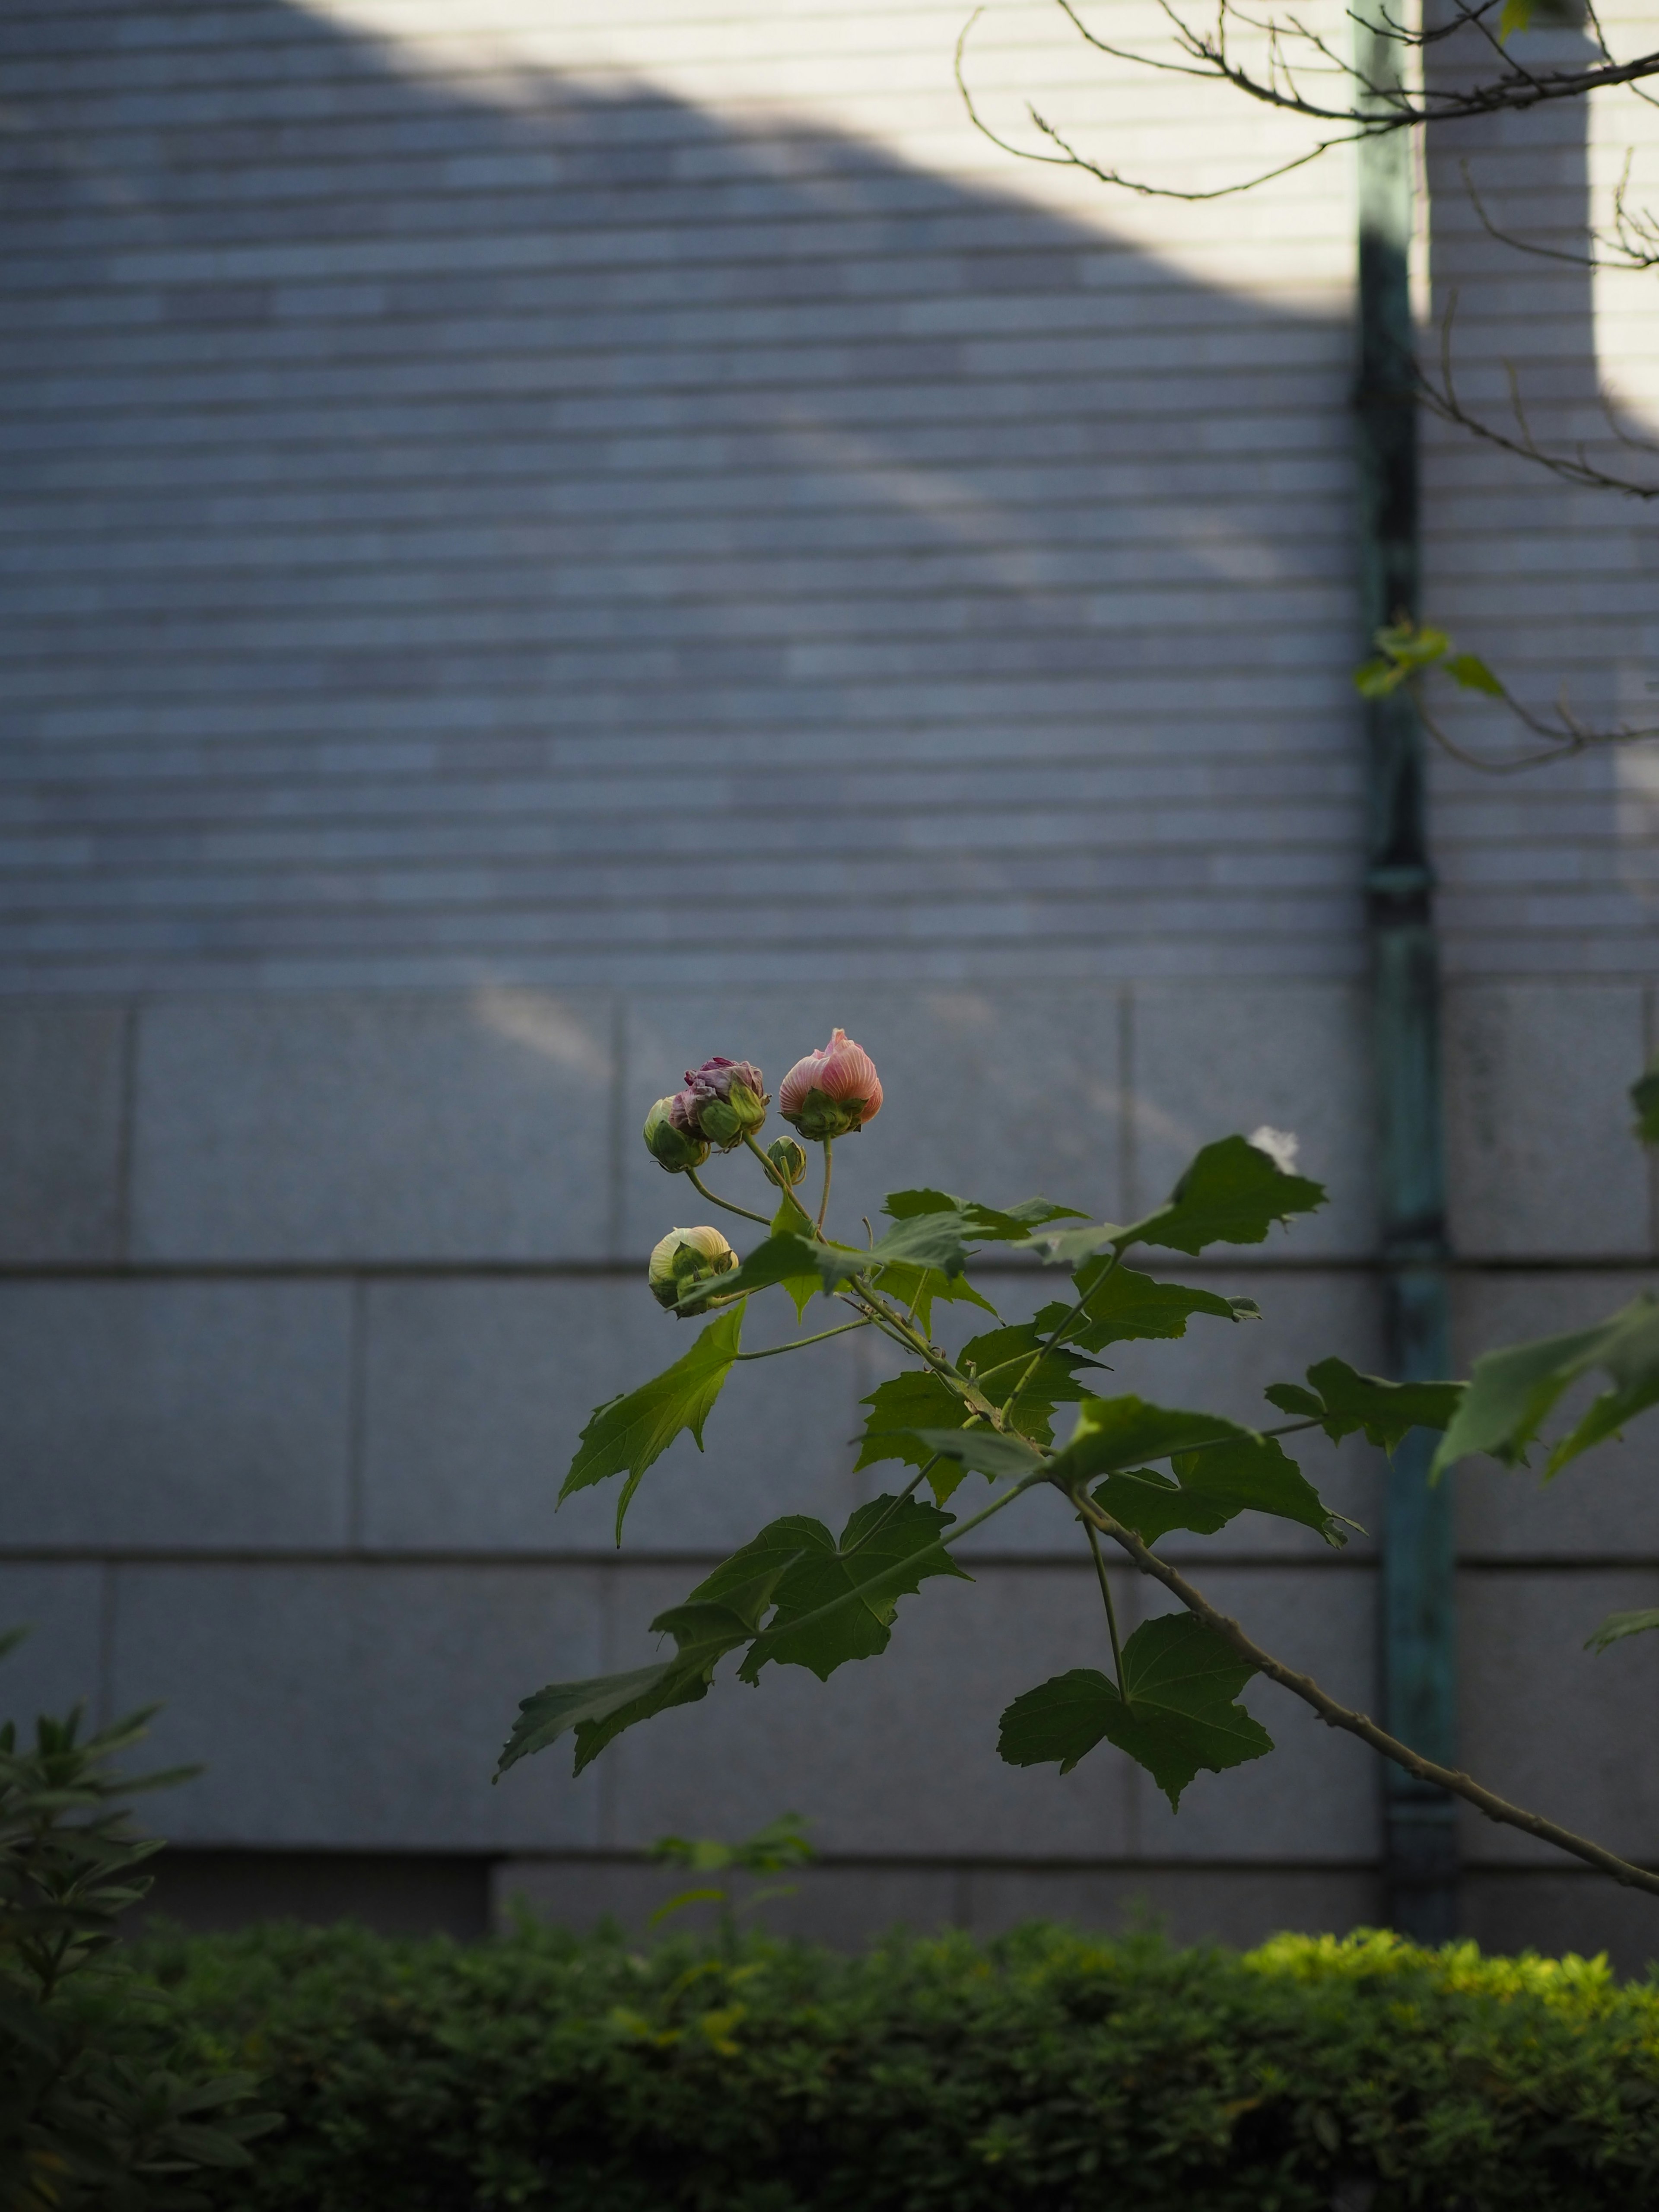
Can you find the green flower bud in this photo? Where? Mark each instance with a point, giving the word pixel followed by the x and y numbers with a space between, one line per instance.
pixel 686 1257
pixel 670 1135
pixel 789 1159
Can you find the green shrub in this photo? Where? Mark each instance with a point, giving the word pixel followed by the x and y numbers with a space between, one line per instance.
pixel 95 2109
pixel 1047 2070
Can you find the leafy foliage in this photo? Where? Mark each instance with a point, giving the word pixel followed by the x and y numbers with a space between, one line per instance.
pixel 829 1603
pixel 1233 1193
pixel 1341 1400
pixel 1618 1625
pixel 1119 1304
pixel 1047 2072
pixel 1511 1392
pixel 98 2107
pixel 627 1434
pixel 1177 1712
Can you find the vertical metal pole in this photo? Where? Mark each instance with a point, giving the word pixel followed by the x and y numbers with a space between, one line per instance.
pixel 1417 1597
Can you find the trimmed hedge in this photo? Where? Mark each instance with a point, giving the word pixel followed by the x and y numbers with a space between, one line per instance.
pixel 1047 2070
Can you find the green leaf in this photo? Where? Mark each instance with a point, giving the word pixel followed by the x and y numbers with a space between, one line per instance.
pixel 1233 1194
pixel 791 1219
pixel 1618 1625
pixel 1221 1469
pixel 627 1434
pixel 1123 1305
pixel 935 1230
pixel 1471 672
pixel 1178 1711
pixel 1342 1401
pixel 993 1223
pixel 1645 1097
pixel 1511 1391
pixel 1377 677
pixel 916 1399
pixel 916 1288
pixel 1017 1355
pixel 1516 16
pixel 785 1257
pixel 836 1602
pixel 1416 645
pixel 601 1709
pixel 984 1451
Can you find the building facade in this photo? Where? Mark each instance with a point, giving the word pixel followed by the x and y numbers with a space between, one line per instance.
pixel 543 543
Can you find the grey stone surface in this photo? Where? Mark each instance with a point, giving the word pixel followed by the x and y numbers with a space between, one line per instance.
pixel 996 1093
pixel 1547 1723
pixel 1211 1061
pixel 1605 1505
pixel 166 1413
pixel 1541 1156
pixel 59 1663
pixel 1574 1909
pixel 340 1707
pixel 1240 1905
pixel 61 1085
pixel 452 1125
pixel 476 1393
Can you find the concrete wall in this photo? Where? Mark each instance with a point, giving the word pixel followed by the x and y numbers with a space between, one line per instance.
pixel 542 550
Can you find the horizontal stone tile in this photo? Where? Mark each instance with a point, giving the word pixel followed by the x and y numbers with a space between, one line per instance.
pixel 894 1756
pixel 1240 1906
pixel 846 1906
pixel 1318 1794
pixel 996 1093
pixel 1209 1061
pixel 1603 1506
pixel 1552 1726
pixel 1579 1910
pixel 476 1393
pixel 62 1081
pixel 1541 1158
pixel 59 1663
pixel 336 1707
pixel 169 1412
pixel 452 1124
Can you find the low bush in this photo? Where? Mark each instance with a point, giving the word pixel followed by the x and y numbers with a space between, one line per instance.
pixel 1049 2070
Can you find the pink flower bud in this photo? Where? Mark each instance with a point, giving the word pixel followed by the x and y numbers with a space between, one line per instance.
pixel 725 1099
pixel 832 1092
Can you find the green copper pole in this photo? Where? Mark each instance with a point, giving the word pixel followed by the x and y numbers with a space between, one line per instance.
pixel 1418 1600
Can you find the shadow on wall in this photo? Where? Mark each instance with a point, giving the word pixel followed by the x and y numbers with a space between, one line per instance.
pixel 577 540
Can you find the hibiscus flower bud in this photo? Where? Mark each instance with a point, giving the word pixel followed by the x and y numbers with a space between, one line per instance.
pixel 790 1161
pixel 671 1137
pixel 686 1257
pixel 832 1092
pixel 730 1100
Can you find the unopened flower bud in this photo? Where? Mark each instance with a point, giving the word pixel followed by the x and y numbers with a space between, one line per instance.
pixel 686 1257
pixel 790 1161
pixel 729 1098
pixel 672 1138
pixel 832 1092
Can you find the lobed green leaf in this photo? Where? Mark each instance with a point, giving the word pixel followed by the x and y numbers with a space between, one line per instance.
pixel 1121 1304
pixel 1232 1192
pixel 1221 1469
pixel 836 1602
pixel 918 1399
pixel 984 1451
pixel 786 1257
pixel 1177 1712
pixel 1342 1401
pixel 1511 1392
pixel 1618 1625
pixel 627 1433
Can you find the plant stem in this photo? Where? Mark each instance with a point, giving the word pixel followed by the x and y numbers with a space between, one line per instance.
pixel 799 1343
pixel 1336 1715
pixel 1043 1350
pixel 715 1198
pixel 823 1203
pixel 1111 1610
